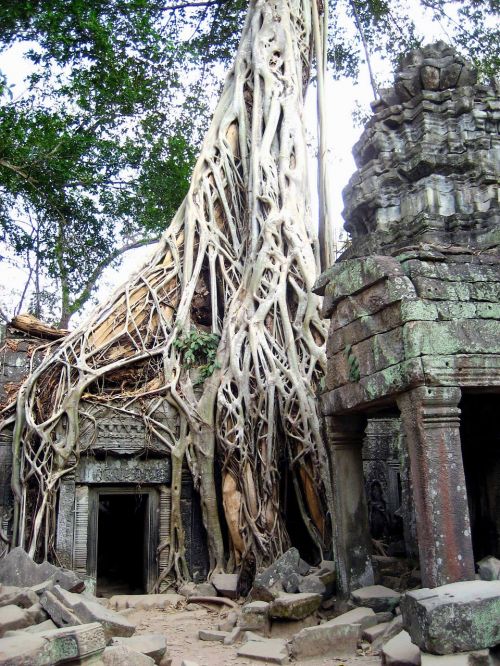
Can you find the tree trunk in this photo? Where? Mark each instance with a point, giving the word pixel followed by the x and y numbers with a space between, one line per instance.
pixel 239 259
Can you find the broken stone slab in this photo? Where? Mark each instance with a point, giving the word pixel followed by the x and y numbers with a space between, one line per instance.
pixel 271 650
pixel 19 569
pixel 226 585
pixel 197 590
pixel 363 617
pixel 229 622
pixel 255 617
pixel 400 651
pixel 312 584
pixel 79 642
pixel 23 648
pixel 146 601
pixel 121 655
pixel 13 617
pixel 69 609
pixel 384 616
pixel 291 585
pixel 251 636
pixel 152 645
pixel 393 629
pixel 476 658
pixel 378 597
pixel 288 628
pixel 268 583
pixel 489 568
pixel 458 617
pixel 46 625
pixel 233 636
pixel 294 606
pixel 339 639
pixel 371 633
pixel 212 635
pixel 23 597
pixel 59 613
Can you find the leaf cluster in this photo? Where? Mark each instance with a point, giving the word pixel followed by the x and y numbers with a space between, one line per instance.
pixel 199 350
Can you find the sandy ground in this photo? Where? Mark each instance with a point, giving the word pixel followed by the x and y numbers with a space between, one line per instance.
pixel 181 630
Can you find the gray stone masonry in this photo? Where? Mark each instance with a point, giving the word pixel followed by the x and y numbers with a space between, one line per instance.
pixel 414 304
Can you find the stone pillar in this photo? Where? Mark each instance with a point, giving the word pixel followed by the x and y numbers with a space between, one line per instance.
pixel 351 533
pixel 431 421
pixel 66 521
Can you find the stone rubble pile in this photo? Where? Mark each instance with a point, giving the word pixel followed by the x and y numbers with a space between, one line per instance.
pixel 454 624
pixel 47 618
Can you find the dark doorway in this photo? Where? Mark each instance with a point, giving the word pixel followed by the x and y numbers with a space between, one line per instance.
pixel 480 436
pixel 121 546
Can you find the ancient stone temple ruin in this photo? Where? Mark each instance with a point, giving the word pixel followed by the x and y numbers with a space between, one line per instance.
pixel 414 333
pixel 114 507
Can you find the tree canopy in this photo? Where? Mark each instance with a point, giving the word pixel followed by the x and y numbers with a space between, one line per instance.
pixel 96 151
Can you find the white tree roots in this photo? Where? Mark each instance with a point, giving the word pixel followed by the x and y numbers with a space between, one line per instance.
pixel 239 259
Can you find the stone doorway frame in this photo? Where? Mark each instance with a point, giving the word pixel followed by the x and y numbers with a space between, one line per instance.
pixel 151 528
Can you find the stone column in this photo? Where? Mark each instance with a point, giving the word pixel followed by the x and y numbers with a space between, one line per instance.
pixel 351 532
pixel 66 521
pixel 431 420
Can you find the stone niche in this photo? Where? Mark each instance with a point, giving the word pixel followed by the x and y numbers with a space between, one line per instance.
pixel 414 308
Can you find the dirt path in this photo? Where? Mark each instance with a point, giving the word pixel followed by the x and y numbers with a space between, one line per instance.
pixel 181 630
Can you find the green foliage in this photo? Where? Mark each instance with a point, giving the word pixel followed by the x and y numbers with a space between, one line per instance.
pixel 97 150
pixel 199 350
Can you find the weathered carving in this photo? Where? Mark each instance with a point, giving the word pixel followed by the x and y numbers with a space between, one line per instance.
pixel 128 471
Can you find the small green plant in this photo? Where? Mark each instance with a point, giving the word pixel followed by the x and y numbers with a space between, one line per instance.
pixel 199 349
pixel 354 373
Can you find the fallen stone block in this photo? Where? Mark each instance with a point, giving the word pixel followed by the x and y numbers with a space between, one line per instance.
pixel 339 639
pixel 23 649
pixel 371 633
pixel 489 568
pixel 121 655
pixel 378 597
pixel 197 590
pixel 146 601
pixel 288 628
pixel 400 651
pixel 393 629
pixel 13 617
pixel 226 585
pixel 18 568
pixel 270 582
pixel 233 636
pixel 212 635
pixel 87 610
pixel 384 616
pixel 290 585
pixel 303 567
pixel 364 617
pixel 251 636
pixel 23 597
pixel 46 625
pixel 271 650
pixel 76 643
pixel 152 645
pixel 229 622
pixel 459 617
pixel 58 612
pixel 255 617
pixel 477 658
pixel 294 606
pixel 312 584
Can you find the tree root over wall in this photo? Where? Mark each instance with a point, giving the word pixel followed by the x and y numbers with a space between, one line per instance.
pixel 238 263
